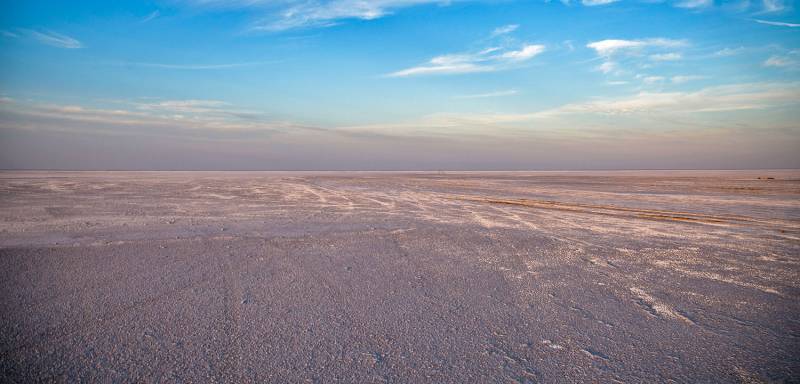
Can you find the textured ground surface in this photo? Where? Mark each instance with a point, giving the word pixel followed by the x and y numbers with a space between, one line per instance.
pixel 367 277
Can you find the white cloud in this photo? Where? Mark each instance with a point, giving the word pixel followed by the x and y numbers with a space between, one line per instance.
pixel 771 6
pixel 777 23
pixel 607 67
pixel 729 51
pixel 509 92
pixel 647 105
pixel 203 115
pixel 591 3
pixel 54 39
pixel 652 79
pixel 319 13
pixel 712 99
pixel 9 34
pixel 439 69
pixel 694 4
pixel 680 79
pixel 487 60
pixel 504 30
pixel 282 15
pixel 781 62
pixel 183 106
pixel 612 47
pixel 626 53
pixel 672 56
pixel 527 52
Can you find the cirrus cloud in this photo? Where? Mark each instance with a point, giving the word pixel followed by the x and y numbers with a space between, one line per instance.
pixel 53 39
pixel 283 15
pixel 488 60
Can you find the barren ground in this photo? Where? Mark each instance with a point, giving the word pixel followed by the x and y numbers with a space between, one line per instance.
pixel 400 277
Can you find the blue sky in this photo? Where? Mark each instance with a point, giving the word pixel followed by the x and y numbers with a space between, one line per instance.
pixel 399 84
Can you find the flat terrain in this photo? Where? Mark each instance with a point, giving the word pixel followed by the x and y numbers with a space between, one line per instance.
pixel 400 277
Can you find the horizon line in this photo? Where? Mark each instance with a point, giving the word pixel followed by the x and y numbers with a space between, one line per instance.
pixel 402 170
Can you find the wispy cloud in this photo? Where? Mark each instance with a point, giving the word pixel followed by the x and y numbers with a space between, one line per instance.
pixel 184 115
pixel 607 67
pixel 193 106
pixel 672 56
pixel 782 61
pixel 592 3
pixel 151 16
pixel 9 34
pixel 281 15
pixel 771 6
pixel 509 92
pixel 777 23
pixel 488 60
pixel 504 54
pixel 612 47
pixel 504 30
pixel 445 65
pixel 652 79
pixel 729 51
pixel 680 79
pixel 53 39
pixel 734 97
pixel 694 4
pixel 666 107
pixel 528 51
pixel 615 52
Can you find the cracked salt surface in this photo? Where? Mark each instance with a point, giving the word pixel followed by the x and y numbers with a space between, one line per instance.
pixel 401 277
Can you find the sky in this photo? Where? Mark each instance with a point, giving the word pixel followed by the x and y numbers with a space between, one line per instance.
pixel 399 84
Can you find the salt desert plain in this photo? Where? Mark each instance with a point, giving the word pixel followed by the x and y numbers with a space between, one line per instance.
pixel 648 276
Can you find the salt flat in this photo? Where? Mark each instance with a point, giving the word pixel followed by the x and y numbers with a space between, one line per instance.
pixel 400 277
